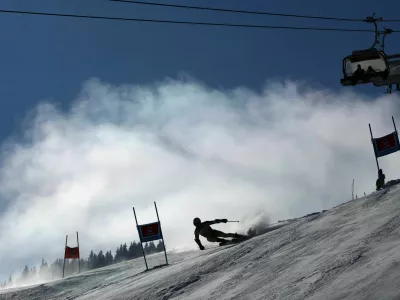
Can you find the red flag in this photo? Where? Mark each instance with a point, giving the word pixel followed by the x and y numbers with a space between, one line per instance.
pixel 149 232
pixel 386 145
pixel 71 252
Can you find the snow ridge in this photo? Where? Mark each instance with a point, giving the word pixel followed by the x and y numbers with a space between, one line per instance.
pixel 351 251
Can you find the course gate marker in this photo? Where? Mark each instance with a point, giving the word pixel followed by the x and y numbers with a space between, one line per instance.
pixel 150 232
pixel 385 145
pixel 72 253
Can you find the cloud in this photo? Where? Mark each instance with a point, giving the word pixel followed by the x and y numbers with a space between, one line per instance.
pixel 197 151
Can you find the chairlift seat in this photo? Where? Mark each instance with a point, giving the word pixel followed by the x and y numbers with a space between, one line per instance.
pixel 365 58
pixel 393 74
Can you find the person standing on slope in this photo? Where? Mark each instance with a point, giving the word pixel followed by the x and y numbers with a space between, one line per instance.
pixel 380 182
pixel 212 235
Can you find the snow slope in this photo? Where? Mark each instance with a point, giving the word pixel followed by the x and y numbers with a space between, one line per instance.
pixel 349 252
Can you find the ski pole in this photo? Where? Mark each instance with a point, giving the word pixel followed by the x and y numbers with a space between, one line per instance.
pixel 233 221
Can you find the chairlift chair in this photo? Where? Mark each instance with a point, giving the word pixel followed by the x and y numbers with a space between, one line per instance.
pixel 385 68
pixel 365 58
pixel 393 75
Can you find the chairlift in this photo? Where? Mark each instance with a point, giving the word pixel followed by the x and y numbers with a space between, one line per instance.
pixel 364 60
pixel 394 72
pixel 372 65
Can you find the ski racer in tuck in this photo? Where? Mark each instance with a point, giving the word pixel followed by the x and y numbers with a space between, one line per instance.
pixel 212 235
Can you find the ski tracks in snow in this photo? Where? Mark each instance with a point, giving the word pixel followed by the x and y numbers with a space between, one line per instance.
pixel 349 252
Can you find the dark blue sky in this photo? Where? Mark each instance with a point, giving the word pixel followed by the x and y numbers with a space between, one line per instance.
pixel 48 58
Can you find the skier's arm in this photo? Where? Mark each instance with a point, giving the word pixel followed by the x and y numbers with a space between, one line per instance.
pixel 197 240
pixel 216 221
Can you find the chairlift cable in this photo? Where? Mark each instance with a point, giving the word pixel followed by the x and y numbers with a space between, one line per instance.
pixel 244 11
pixel 183 22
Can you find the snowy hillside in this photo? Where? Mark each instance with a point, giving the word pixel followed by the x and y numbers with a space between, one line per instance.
pixel 351 251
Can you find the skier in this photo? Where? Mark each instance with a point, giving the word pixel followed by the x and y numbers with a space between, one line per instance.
pixel 212 235
pixel 380 182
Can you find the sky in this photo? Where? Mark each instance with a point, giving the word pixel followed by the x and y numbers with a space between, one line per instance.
pixel 99 116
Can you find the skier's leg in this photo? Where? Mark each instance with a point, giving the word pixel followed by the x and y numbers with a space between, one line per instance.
pixel 219 240
pixel 225 235
pixel 216 239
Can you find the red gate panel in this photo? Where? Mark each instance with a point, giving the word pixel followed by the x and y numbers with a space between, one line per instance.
pixel 149 232
pixel 71 253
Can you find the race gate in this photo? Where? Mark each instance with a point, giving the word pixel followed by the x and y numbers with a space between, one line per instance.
pixel 150 232
pixel 385 145
pixel 72 253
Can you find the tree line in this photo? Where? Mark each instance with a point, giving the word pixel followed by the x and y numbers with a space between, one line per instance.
pixel 46 272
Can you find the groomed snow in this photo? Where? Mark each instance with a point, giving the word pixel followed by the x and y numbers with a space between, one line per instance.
pixel 349 252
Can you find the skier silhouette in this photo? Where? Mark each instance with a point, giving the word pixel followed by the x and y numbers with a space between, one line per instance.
pixel 380 182
pixel 212 235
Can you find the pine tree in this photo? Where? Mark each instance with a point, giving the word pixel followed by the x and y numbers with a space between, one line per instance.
pixel 56 268
pixel 101 260
pixel 91 261
pixel 33 273
pixel 118 254
pixel 95 263
pixel 135 250
pixel 125 252
pixel 146 248
pixel 24 275
pixel 130 250
pixel 160 247
pixel 43 269
pixel 109 258
pixel 152 248
pixel 84 264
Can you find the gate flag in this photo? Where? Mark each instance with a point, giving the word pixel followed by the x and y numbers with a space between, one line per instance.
pixel 387 144
pixel 149 232
pixel 71 252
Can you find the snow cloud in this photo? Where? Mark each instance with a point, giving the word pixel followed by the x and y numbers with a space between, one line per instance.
pixel 238 154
